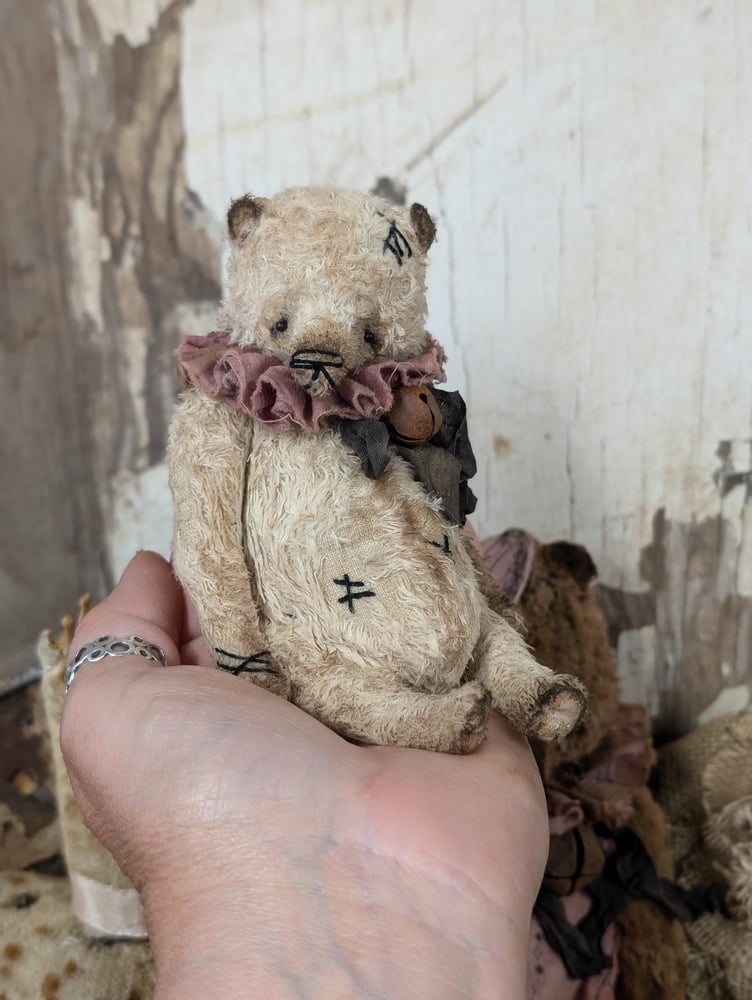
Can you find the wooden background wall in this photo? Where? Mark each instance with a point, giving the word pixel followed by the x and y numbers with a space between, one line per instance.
pixel 590 166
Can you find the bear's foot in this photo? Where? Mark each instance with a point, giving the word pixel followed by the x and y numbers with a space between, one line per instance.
pixel 562 703
pixel 473 705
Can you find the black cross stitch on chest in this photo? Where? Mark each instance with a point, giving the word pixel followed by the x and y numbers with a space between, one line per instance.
pixel 351 594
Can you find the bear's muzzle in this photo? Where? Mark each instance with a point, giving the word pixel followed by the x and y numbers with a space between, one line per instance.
pixel 319 370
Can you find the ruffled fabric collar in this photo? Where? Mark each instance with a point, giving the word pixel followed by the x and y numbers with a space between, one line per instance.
pixel 262 385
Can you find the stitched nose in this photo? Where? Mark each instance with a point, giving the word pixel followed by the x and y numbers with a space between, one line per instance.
pixel 317 362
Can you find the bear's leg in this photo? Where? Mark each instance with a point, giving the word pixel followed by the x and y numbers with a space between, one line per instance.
pixel 538 702
pixel 393 715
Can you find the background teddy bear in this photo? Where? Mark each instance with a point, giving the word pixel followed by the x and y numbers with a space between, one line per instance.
pixel 597 774
pixel 321 565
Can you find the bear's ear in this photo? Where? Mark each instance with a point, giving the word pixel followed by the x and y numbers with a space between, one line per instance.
pixel 244 216
pixel 424 226
pixel 575 559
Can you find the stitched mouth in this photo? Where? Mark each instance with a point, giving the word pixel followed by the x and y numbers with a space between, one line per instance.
pixel 318 363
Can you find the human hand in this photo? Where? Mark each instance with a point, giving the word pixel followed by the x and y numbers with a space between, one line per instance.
pixel 275 859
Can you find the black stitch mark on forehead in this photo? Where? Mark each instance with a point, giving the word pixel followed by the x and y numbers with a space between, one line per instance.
pixel 396 242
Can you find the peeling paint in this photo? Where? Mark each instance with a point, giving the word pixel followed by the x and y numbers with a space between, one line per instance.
pixel 134 20
pixel 502 446
pixel 733 699
pixel 141 515
pixel 727 477
pixel 85 247
pixel 390 190
pixel 744 563
pixel 698 626
pixel 119 252
pixel 636 654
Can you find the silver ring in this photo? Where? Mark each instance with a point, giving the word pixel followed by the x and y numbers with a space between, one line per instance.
pixel 108 645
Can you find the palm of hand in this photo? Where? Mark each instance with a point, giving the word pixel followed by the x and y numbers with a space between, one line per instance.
pixel 232 791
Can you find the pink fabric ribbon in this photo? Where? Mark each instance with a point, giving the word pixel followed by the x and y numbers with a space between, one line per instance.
pixel 621 764
pixel 264 386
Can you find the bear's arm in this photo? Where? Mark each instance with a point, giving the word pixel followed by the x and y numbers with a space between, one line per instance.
pixel 208 450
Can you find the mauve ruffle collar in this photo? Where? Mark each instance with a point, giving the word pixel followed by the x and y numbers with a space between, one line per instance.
pixel 262 385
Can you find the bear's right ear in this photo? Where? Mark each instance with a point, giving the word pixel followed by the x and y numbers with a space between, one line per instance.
pixel 575 559
pixel 244 216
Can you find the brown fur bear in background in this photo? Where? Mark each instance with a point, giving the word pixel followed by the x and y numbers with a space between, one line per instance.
pixel 332 577
pixel 603 765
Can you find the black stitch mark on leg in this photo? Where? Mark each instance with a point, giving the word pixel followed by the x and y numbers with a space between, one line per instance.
pixel 351 595
pixel 243 667
pixel 396 242
pixel 444 546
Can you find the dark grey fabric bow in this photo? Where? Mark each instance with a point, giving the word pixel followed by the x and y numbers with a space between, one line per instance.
pixel 443 465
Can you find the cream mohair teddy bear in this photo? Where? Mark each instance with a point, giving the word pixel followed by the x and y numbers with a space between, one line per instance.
pixel 321 565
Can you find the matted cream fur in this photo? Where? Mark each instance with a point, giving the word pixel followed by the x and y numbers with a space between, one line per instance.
pixel 271 526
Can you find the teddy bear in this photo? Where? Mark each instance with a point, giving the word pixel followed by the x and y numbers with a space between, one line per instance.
pixel 323 547
pixel 595 777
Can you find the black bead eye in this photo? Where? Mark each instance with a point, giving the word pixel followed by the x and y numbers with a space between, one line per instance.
pixel 369 336
pixel 280 326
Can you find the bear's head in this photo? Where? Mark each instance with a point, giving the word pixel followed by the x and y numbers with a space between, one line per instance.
pixel 327 281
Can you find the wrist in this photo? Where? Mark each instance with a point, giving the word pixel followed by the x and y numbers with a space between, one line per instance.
pixel 326 922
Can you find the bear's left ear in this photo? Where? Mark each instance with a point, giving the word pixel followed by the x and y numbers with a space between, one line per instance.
pixel 424 226
pixel 244 216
